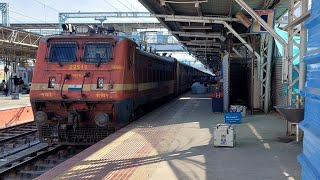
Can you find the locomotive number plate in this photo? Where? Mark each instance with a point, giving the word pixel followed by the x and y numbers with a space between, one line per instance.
pixel 78 67
pixel 102 95
pixel 49 94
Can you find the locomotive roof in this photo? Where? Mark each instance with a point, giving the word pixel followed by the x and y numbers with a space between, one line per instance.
pixel 117 39
pixel 154 56
pixel 93 36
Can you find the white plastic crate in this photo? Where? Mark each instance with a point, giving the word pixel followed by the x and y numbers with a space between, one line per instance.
pixel 224 135
pixel 239 108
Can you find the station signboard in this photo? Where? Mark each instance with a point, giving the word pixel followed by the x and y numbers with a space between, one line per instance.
pixel 267 15
pixel 2 71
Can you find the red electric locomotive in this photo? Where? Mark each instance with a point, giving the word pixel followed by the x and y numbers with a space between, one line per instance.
pixel 87 84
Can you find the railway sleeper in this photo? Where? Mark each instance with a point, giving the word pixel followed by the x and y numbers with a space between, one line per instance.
pixel 9 146
pixel 7 134
pixel 21 141
pixel 31 138
pixel 31 172
pixel 42 166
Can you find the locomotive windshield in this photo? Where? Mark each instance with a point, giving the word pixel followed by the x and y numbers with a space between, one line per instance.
pixel 63 52
pixel 97 53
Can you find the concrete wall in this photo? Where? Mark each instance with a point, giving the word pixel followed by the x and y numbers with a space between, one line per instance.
pixel 15 116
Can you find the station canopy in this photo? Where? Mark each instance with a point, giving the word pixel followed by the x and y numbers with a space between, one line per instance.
pixel 17 45
pixel 193 23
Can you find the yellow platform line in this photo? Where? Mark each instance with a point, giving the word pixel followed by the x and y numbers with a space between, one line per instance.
pixel 255 132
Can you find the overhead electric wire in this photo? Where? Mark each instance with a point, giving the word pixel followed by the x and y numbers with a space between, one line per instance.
pixel 46 6
pixel 120 12
pixel 26 16
pixel 112 6
pixel 16 20
pixel 132 6
pixel 131 11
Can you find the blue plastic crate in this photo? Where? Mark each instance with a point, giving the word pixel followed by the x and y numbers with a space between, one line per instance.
pixel 232 118
pixel 309 158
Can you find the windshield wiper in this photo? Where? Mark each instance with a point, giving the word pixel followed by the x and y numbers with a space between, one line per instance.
pixel 66 76
pixel 100 61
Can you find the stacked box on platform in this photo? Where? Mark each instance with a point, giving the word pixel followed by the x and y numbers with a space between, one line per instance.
pixel 217 97
pixel 310 157
pixel 224 135
pixel 217 104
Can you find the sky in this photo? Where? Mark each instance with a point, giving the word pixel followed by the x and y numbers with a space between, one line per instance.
pixel 46 11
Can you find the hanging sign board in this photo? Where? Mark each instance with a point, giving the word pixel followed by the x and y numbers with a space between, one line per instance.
pixel 267 15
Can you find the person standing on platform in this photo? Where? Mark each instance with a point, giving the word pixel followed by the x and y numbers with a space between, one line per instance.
pixel 16 84
pixel 21 84
pixel 4 87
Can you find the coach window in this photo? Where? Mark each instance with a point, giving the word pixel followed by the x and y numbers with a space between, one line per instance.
pixel 149 75
pixel 154 75
pixel 162 75
pixel 166 75
pixel 63 52
pixel 97 53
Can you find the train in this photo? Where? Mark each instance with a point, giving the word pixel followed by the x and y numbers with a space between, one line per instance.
pixel 88 83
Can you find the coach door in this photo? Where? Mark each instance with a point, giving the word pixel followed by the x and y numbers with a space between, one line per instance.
pixel 133 68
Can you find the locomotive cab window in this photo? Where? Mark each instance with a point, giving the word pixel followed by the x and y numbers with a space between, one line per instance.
pixel 97 53
pixel 63 52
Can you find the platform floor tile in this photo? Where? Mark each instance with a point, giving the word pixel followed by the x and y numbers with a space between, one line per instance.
pixel 175 141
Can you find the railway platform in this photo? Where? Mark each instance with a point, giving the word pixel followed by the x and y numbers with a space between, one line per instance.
pixel 15 111
pixel 175 141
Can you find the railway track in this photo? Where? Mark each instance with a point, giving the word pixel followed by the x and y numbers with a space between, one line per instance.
pixel 37 161
pixel 12 133
pixel 34 158
pixel 23 156
pixel 17 138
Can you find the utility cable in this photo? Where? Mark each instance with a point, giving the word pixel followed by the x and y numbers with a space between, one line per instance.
pixel 132 6
pixel 26 16
pixel 120 12
pixel 46 6
pixel 17 20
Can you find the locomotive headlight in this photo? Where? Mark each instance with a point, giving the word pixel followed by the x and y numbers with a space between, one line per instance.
pixel 82 29
pixel 41 117
pixel 52 82
pixel 100 83
pixel 101 119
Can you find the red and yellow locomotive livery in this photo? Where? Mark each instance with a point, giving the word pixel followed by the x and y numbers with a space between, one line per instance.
pixel 87 85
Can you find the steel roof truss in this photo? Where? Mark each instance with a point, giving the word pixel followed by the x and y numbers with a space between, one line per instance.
pixel 200 19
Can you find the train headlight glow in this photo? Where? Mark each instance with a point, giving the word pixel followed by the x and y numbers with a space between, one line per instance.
pixel 100 83
pixel 82 29
pixel 41 117
pixel 102 119
pixel 52 82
